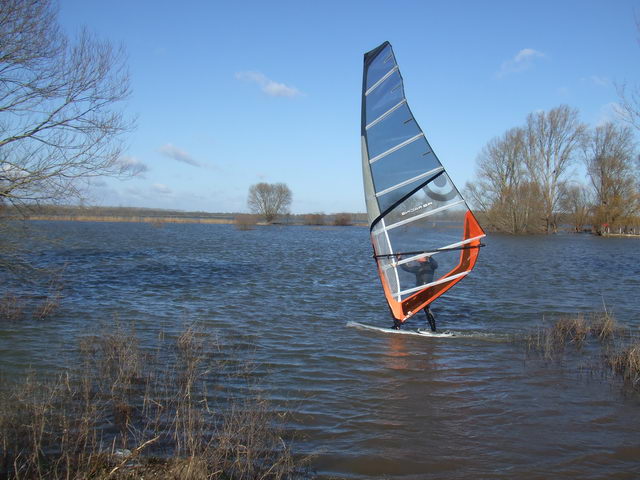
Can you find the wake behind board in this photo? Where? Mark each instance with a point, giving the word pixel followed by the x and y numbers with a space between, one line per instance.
pixel 419 332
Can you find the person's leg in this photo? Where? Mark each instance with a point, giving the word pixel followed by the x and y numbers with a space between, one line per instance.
pixel 396 324
pixel 430 318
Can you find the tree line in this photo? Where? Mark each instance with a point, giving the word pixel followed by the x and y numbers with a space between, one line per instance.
pixel 526 178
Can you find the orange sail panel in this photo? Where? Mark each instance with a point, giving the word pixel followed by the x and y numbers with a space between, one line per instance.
pixel 425 238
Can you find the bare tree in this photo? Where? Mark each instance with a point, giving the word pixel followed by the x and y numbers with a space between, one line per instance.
pixel 630 97
pixel 269 199
pixel 609 154
pixel 629 104
pixel 577 205
pixel 503 191
pixel 60 100
pixel 551 141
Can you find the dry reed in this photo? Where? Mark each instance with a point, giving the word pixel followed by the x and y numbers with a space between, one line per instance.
pixel 14 307
pixel 245 221
pixel 626 364
pixel 604 326
pixel 619 348
pixel 127 412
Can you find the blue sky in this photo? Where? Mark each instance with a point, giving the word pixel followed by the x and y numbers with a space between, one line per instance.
pixel 228 94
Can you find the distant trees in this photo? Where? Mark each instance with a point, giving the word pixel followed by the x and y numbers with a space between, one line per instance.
pixel 59 106
pixel 269 199
pixel 342 219
pixel 314 219
pixel 551 142
pixel 523 179
pixel 609 155
pixel 576 204
pixel 503 190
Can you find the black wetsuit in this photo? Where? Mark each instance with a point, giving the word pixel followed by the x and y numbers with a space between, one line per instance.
pixel 424 272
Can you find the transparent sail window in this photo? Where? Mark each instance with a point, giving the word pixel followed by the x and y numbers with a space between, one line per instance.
pixel 438 200
pixel 417 273
pixel 380 66
pixel 398 127
pixel 403 164
pixel 411 226
pixel 385 97
pixel 392 196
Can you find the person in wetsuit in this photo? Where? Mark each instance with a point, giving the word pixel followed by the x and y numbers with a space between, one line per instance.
pixel 424 269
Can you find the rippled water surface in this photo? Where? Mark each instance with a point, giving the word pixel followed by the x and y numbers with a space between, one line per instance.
pixel 369 405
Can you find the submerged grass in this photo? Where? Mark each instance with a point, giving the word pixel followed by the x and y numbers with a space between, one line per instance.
pixel 130 413
pixel 618 348
pixel 15 308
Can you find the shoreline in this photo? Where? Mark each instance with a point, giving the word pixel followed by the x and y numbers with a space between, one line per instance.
pixel 161 220
pixel 134 219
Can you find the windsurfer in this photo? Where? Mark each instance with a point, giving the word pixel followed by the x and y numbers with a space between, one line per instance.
pixel 424 269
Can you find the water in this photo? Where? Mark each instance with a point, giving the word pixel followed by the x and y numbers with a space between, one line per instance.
pixel 368 405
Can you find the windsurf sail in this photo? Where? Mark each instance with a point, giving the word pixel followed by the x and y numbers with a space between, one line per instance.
pixel 425 239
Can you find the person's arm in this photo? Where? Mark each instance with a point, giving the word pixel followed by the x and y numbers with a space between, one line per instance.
pixel 407 268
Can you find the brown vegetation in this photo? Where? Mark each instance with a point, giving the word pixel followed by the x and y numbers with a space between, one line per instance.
pixel 626 363
pixel 619 349
pixel 245 221
pixel 129 413
pixel 269 200
pixel 342 219
pixel 524 182
pixel 314 219
pixel 14 308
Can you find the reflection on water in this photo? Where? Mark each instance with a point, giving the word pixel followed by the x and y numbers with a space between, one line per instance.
pixel 369 405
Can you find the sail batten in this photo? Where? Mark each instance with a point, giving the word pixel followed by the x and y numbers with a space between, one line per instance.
pixel 433 284
pixel 387 113
pixel 425 214
pixel 410 181
pixel 397 147
pixel 412 204
pixel 379 82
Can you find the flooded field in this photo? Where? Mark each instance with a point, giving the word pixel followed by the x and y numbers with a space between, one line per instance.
pixel 367 404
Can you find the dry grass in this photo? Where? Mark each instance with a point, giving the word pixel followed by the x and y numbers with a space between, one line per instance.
pixel 130 413
pixel 15 308
pixel 11 307
pixel 132 219
pixel 552 341
pixel 246 221
pixel 626 364
pixel 618 349
pixel 314 219
pixel 604 326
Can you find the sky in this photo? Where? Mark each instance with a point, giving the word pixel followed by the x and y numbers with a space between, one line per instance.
pixel 229 94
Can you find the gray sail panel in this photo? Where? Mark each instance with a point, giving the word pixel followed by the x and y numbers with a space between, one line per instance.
pixel 373 211
pixel 382 63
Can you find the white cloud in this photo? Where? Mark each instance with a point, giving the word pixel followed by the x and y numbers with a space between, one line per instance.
pixel 175 153
pixel 132 165
pixel 161 188
pixel 522 61
pixel 268 86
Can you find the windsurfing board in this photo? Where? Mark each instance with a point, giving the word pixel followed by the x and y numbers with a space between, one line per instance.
pixel 419 332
